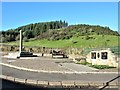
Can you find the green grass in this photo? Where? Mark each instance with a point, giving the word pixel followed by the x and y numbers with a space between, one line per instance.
pixel 44 43
pixel 80 42
pixel 95 66
pixel 83 63
pixel 102 66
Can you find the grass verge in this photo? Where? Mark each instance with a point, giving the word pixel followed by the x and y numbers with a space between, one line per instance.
pixel 95 66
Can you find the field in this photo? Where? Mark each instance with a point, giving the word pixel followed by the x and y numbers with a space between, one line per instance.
pixel 92 41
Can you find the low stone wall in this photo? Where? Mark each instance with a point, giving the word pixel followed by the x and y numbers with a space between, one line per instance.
pixel 75 51
pixel 60 84
pixel 32 49
pixel 9 48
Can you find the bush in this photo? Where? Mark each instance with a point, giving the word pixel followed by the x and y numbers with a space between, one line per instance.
pixel 17 37
pixel 3 39
pixel 25 39
pixel 74 42
pixel 102 66
pixel 83 63
pixel 87 37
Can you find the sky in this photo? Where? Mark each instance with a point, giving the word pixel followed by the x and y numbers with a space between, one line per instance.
pixel 60 0
pixel 15 14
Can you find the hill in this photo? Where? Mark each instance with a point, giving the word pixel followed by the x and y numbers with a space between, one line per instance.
pixel 76 31
pixel 55 30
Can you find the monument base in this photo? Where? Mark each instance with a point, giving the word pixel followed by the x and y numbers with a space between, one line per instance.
pixel 27 54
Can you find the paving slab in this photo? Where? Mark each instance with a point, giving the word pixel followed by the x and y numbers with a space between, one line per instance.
pixel 78 67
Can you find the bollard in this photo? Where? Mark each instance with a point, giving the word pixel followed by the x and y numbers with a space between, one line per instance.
pixel 74 84
pixel 37 82
pixel 42 54
pixel 61 83
pixel 88 84
pixel 25 81
pixel 48 83
pixel 14 79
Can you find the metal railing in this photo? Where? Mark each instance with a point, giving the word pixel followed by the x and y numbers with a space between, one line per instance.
pixel 107 83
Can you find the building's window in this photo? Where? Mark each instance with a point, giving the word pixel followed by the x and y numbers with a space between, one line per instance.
pixel 93 55
pixel 98 55
pixel 104 55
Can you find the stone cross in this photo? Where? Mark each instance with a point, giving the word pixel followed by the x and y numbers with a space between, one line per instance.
pixel 20 48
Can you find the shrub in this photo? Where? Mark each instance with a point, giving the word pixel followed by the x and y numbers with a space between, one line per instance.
pixel 83 63
pixel 25 39
pixel 74 42
pixel 102 66
pixel 3 39
pixel 17 37
pixel 87 37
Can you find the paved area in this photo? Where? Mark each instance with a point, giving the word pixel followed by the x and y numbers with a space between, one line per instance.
pixel 78 67
pixel 49 64
pixel 36 64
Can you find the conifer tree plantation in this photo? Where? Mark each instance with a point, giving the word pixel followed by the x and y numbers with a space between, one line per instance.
pixel 61 34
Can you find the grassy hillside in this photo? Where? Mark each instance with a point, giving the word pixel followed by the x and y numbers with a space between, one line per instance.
pixel 55 30
pixel 79 42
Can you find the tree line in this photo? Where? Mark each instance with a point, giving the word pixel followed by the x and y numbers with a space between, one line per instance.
pixel 31 30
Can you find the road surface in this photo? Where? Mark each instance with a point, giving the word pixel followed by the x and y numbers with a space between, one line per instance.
pixel 57 77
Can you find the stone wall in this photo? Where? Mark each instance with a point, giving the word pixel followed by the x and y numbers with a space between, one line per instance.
pixel 70 51
pixel 8 48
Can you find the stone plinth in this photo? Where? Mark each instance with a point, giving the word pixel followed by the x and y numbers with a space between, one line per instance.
pixel 27 54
